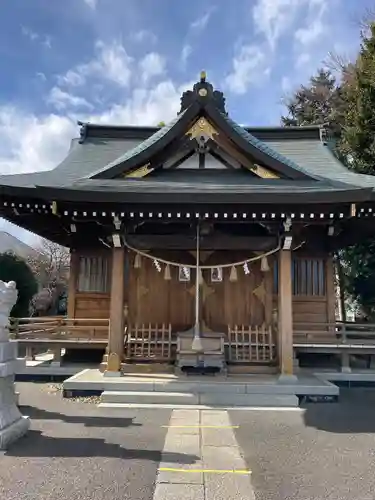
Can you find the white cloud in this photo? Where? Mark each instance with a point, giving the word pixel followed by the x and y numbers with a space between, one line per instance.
pixel 41 76
pixel 145 106
pixel 275 18
pixel 187 49
pixel 153 64
pixel 73 77
pixel 29 33
pixel 309 38
pixel 201 22
pixel 31 143
pixel 310 33
pixel 36 37
pixel 303 59
pixel 91 3
pixel 250 67
pixel 144 36
pixel 62 100
pixel 286 84
pixel 111 62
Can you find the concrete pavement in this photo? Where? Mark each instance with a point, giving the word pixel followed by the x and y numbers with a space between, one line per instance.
pixel 219 473
pixel 78 451
pixel 325 452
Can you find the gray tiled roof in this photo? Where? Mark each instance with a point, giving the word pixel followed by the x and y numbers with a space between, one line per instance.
pixel 193 181
pixel 142 146
pixel 319 160
pixel 267 148
pixel 86 159
pixel 81 161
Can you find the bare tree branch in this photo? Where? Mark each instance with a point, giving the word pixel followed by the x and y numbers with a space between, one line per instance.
pixel 50 265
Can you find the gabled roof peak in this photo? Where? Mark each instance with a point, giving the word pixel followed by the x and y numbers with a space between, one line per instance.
pixel 203 92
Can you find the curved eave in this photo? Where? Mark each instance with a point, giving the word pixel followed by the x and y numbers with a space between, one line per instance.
pixel 30 192
pixel 178 129
pixel 186 194
pixel 248 148
pixel 144 155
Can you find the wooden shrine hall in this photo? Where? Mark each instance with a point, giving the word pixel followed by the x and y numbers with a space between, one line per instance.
pixel 200 243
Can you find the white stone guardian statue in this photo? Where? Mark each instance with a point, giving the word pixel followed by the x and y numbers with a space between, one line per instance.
pixel 12 424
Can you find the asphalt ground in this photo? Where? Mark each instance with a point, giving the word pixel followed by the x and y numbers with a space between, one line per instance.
pixel 326 452
pixel 77 451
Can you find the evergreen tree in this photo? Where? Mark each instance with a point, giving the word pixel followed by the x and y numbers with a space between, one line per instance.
pixel 318 103
pixel 358 135
pixel 357 147
pixel 348 108
pixel 13 268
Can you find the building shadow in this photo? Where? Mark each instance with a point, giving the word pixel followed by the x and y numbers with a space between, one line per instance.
pixel 354 413
pixel 88 421
pixel 36 444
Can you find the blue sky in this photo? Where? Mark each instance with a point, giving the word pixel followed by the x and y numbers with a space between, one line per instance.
pixel 128 61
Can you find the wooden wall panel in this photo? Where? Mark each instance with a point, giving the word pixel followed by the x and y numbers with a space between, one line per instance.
pixel 310 310
pixel 315 309
pixel 152 299
pixel 92 305
pixel 242 302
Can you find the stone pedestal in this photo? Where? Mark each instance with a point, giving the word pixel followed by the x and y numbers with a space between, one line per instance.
pixel 12 424
pixel 345 362
pixel 209 356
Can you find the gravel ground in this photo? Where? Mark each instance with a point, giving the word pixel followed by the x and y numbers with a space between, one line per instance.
pixel 325 453
pixel 75 450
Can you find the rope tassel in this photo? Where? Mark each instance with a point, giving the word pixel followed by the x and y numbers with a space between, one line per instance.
pixel 264 266
pixel 245 263
pixel 200 278
pixel 233 274
pixel 137 261
pixel 167 272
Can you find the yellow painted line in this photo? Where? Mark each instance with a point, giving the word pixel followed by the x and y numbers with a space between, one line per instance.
pixel 209 471
pixel 201 426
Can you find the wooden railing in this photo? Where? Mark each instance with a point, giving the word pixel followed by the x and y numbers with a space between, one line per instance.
pixel 150 342
pixel 334 333
pixel 250 344
pixel 54 328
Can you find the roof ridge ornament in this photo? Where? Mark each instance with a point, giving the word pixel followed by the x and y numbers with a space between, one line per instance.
pixel 82 131
pixel 203 92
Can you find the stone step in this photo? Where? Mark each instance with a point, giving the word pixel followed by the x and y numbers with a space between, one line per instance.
pixel 149 397
pixel 207 399
pixel 210 387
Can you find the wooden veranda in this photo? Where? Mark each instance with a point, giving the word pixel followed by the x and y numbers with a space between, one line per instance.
pixel 158 343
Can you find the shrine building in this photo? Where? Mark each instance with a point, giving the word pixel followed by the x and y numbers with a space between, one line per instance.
pixel 200 243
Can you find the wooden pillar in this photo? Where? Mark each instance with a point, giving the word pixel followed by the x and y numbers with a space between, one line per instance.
pixel 73 283
pixel 116 329
pixel 330 292
pixel 285 314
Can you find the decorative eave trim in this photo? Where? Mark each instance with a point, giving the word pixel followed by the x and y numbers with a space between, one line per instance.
pixel 175 197
pixel 139 172
pixel 145 155
pixel 260 156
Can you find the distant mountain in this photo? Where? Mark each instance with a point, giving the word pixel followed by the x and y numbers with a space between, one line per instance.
pixel 9 243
